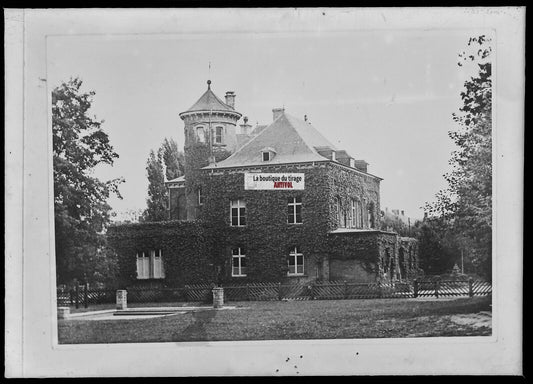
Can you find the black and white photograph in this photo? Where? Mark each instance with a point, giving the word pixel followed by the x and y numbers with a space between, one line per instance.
pixel 275 192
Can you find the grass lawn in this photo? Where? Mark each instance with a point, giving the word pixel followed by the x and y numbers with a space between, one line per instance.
pixel 280 320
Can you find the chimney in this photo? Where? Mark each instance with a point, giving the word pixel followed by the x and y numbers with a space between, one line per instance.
pixel 305 117
pixel 277 112
pixel 245 128
pixel 230 99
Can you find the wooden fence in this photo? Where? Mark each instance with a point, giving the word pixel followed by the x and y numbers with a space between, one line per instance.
pixel 332 290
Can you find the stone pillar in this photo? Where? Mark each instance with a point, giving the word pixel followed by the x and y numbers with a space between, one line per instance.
pixel 122 299
pixel 63 313
pixel 218 297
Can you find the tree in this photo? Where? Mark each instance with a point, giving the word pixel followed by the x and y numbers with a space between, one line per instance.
pixel 173 159
pixel 167 162
pixel 466 204
pixel 157 194
pixel 80 199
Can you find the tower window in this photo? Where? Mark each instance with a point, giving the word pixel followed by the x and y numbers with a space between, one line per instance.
pixel 218 135
pixel 200 133
pixel 200 196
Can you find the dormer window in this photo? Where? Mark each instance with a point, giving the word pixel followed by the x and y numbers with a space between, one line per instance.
pixel 267 154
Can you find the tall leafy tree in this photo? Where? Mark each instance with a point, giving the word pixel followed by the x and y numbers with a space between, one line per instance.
pixel 466 204
pixel 167 162
pixel 173 159
pixel 157 194
pixel 80 199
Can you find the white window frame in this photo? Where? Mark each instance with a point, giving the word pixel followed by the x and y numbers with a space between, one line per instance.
pixel 216 136
pixel 238 204
pixel 293 203
pixel 150 265
pixel 143 266
pixel 294 254
pixel 239 256
pixel 197 131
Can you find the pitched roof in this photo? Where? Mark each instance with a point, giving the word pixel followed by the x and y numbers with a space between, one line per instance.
pixel 180 179
pixel 293 140
pixel 209 101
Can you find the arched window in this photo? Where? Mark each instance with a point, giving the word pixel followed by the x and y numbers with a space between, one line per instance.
pixel 200 134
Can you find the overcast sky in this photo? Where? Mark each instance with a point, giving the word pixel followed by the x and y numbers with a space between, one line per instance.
pixel 384 96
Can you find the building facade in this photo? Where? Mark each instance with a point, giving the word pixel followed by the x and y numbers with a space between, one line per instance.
pixel 274 202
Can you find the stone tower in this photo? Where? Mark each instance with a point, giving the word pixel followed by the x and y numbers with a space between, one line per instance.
pixel 210 136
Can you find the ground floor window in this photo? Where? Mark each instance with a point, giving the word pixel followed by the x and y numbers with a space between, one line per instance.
pixel 238 262
pixel 150 265
pixel 296 262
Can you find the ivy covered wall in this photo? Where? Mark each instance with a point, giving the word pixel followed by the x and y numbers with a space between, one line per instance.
pixel 267 236
pixel 183 247
pixel 201 250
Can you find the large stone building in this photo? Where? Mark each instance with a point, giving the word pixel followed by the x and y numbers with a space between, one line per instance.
pixel 273 202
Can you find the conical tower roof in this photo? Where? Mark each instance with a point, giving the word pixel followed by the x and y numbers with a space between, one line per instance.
pixel 209 102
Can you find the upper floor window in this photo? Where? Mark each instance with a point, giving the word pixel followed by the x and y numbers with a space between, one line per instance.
pixel 218 135
pixel 238 262
pixel 238 213
pixel 200 133
pixel 371 216
pixel 357 214
pixel 267 153
pixel 295 262
pixel 150 265
pixel 294 214
pixel 338 211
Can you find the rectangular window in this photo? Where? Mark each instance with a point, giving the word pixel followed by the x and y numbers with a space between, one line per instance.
pixel 296 262
pixel 158 271
pixel 266 156
pixel 294 210
pixel 200 196
pixel 238 213
pixel 218 135
pixel 150 265
pixel 238 262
